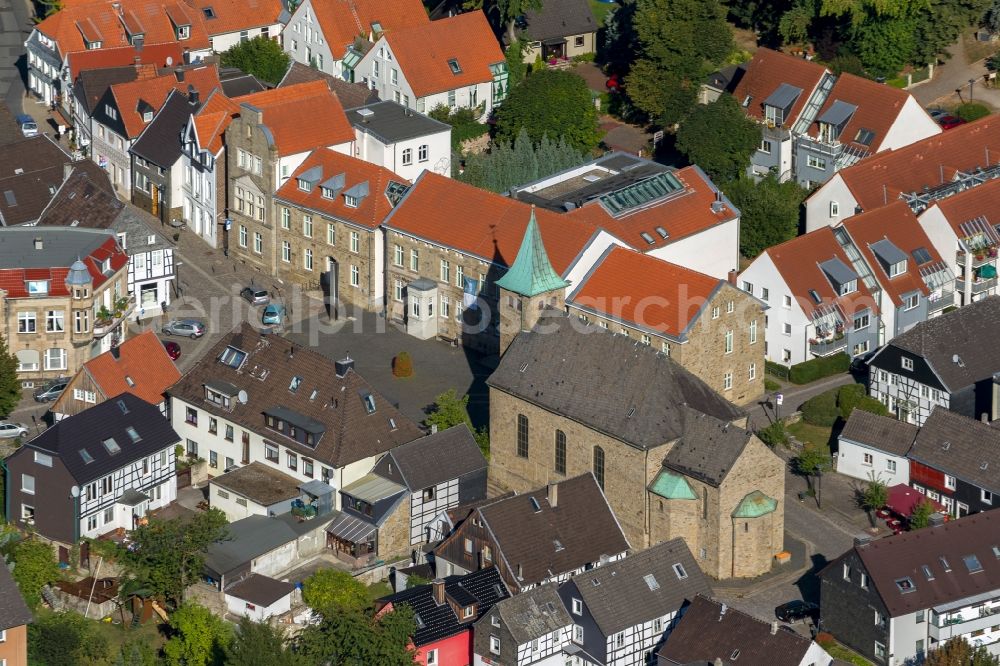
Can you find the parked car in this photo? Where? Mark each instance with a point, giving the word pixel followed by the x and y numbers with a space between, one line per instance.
pixel 51 390
pixel 936 112
pixel 950 122
pixel 860 363
pixel 184 327
pixel 27 124
pixel 173 349
pixel 274 315
pixel 9 430
pixel 256 296
pixel 793 611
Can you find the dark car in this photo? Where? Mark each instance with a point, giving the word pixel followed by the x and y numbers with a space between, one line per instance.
pixel 173 349
pixel 256 296
pixel 793 611
pixel 51 390
pixel 860 363
pixel 950 122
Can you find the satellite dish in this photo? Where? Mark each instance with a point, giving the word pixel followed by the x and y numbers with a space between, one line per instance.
pixel 75 491
pixel 242 397
pixel 170 61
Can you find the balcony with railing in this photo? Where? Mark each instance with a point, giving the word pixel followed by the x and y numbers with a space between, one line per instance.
pixel 965 621
pixel 107 319
pixel 979 285
pixel 829 336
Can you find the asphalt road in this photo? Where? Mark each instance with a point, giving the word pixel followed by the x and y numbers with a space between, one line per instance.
pixel 15 26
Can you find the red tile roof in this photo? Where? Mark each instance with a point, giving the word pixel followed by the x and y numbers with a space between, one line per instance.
pixel 212 119
pixel 897 223
pixel 144 360
pixel 302 117
pixel 423 53
pixel 343 20
pixel 798 263
pixel 680 216
pixel 487 225
pixel 12 280
pixel 154 92
pixel 878 107
pixel 980 201
pixel 371 210
pixel 236 15
pixel 880 179
pixel 153 54
pixel 767 71
pixel 637 288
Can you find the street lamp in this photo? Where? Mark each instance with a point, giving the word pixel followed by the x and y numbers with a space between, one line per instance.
pixel 971 83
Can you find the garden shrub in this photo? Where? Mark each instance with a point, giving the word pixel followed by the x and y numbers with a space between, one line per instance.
pixel 821 410
pixel 818 368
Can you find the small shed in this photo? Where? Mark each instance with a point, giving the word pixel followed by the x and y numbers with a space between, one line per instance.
pixel 259 597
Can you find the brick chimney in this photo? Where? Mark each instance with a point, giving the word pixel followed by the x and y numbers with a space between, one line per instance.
pixel 732 277
pixel 437 590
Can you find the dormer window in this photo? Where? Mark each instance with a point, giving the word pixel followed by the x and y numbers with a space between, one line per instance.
pixel 893 259
pixel 147 116
pixel 350 202
pixel 897 268
pixel 111 112
pixel 208 12
pixel 834 120
pixel 327 193
pixel 842 278
pixel 93 46
pixel 778 105
pixel 848 287
pixel 304 185
pixel 38 287
pixel 183 32
pixel 217 398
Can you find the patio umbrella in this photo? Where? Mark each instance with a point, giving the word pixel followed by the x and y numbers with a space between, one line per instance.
pixel 903 499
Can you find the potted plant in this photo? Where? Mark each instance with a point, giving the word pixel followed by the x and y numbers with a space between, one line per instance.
pixel 104 315
pixel 121 303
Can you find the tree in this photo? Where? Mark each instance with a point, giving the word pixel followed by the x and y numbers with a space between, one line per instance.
pixel 991 18
pixel 504 11
pixel 199 637
pixel 170 554
pixel 333 589
pixel 35 566
pixel 885 44
pixel 130 588
pixel 259 644
pixel 449 410
pixel 10 385
pixel 794 24
pixel 554 103
pixel 874 496
pixel 769 211
pixel 958 652
pixel 261 56
pixel 517 69
pixel 65 639
pixel 920 516
pixel 662 95
pixel 136 652
pixel 813 461
pixel 719 138
pixel 355 637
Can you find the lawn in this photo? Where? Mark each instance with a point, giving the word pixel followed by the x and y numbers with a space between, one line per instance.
pixel 841 652
pixel 810 434
pixel 601 9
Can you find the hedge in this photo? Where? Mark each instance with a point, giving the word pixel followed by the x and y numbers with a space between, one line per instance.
pixel 817 368
pixel 853 397
pixel 838 403
pixel 776 369
pixel 821 410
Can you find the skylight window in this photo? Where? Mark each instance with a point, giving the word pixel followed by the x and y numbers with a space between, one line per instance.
pixel 928 574
pixel 122 406
pixel 295 383
pixel 906 585
pixel 369 401
pixel 535 505
pixel 233 357
pixel 392 424
pixel 944 563
pixel 312 396
pixel 972 563
pixel 419 621
pixel 455 68
pixel 133 434
pixel 112 446
pixel 129 380
pixel 208 12
pixel 87 458
pixel 679 571
pixel 996 552
pixel 651 582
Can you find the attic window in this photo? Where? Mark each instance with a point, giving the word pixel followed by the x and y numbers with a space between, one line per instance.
pixel 87 458
pixel 295 383
pixel 419 621
pixel 905 585
pixel 208 12
pixel 112 446
pixel 133 434
pixel 815 296
pixel 183 31
pixel 734 655
pixel 392 424
pixel 972 563
pixel 647 237
pixel 122 406
pixel 327 193
pixel 312 396
pixel 453 64
pixel 369 401
pixel 679 571
pixel 651 582
pixel 350 201
pixel 865 136
pixel 996 552
pixel 944 563
pixel 558 545
pixel 376 27
pixel 304 185
pixel 129 380
pixel 524 366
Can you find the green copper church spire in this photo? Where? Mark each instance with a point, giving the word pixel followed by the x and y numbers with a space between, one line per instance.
pixel 532 273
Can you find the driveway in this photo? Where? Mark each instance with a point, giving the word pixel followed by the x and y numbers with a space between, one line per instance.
pixel 954 75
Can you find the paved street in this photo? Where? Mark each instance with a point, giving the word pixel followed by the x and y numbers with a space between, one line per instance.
pixel 762 412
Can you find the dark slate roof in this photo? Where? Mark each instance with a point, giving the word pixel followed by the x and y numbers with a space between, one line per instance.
pixel 13 611
pixel 534 613
pixel 441 456
pixel 351 95
pixel 351 433
pixel 160 142
pixel 260 590
pixel 250 538
pixel 727 78
pixel 31 170
pixel 85 199
pixel 618 595
pixel 391 122
pixel 555 540
pixel 484 586
pixel 710 630
pixel 962 447
pixel 608 382
pixel 236 83
pixel 903 556
pixel 559 18
pixel 708 448
pixel 91 84
pixel 109 419
pixel 882 433
pixel 60 246
pixel 962 332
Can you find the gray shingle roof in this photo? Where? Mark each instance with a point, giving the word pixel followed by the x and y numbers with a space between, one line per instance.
pixel 160 142
pixel 392 122
pixel 960 446
pixel 559 18
pixel 608 382
pixel 965 332
pixel 618 595
pixel 351 95
pixel 61 246
pixel 879 432
pixel 13 611
pixel 442 456
pixel 30 172
pixel 533 614
pixel 250 538
pixel 708 448
pixel 260 590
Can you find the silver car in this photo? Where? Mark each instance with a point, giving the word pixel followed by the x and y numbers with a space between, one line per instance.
pixel 255 295
pixel 191 328
pixel 10 430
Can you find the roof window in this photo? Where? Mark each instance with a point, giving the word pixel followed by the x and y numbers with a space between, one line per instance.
pixel 679 571
pixel 133 434
pixel 535 506
pixel 651 582
pixel 233 357
pixel 122 406
pixel 129 380
pixel 455 68
pixel 87 458
pixel 112 446
pixel 369 401
pixel 295 383
pixel 972 563
pixel 944 563
pixel 906 585
pixel 208 12
pixel 928 574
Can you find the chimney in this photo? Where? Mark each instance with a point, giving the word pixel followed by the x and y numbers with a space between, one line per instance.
pixel 732 277
pixel 520 571
pixel 553 495
pixel 774 628
pixel 437 590
pixel 39 244
pixel 291 352
pixel 434 428
pixel 718 662
pixel 343 365
pixel 192 94
pixel 179 73
pixel 116 353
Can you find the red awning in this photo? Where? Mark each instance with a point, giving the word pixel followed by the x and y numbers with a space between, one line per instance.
pixel 902 500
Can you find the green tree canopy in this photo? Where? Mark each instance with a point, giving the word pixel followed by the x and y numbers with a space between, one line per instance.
pixel 354 637
pixel 874 496
pixel 719 138
pixel 920 517
pixel 551 103
pixel 35 566
pixel 260 644
pixel 958 652
pixel 332 589
pixel 769 211
pixel 450 410
pixel 136 652
pixel 508 165
pixel 10 385
pixel 65 639
pixel 261 56
pixel 198 637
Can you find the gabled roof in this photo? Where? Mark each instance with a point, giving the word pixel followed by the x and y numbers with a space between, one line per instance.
pixel 960 333
pixel 149 94
pixel 885 232
pixel 454 52
pixel 559 18
pixel 531 273
pixel 611 383
pixel 61 247
pixel 13 611
pixel 351 95
pixel 31 170
pixel 91 84
pixel 161 141
pixel 883 433
pixel 290 114
pixel 551 540
pixel 438 457
pixel 235 15
pixel 85 199
pixel 623 282
pixel 342 21
pixel 711 632
pixel 708 449
pixel 158 55
pixel 113 419
pixel 260 590
pixel 643 586
pixel 350 431
pixel 940 551
pixel 962 447
pixel 977 202
pixel 880 179
pixel 767 72
pixel 533 614
pixel 141 360
pixel 339 173
pixel 212 119
pixel 483 588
